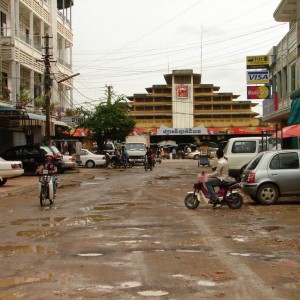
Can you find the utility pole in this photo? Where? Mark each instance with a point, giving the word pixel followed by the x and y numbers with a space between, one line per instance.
pixel 109 92
pixel 47 86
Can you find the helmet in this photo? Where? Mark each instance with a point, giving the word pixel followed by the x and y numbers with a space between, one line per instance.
pixel 49 154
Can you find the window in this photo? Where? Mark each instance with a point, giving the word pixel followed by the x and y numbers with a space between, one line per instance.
pixel 244 147
pixel 253 164
pixel 285 161
pixel 30 151
pixel 293 77
pixel 3 25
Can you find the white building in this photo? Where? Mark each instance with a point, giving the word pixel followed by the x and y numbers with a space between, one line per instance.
pixel 285 67
pixel 24 24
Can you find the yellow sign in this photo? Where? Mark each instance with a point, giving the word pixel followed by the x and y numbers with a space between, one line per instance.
pixel 258 62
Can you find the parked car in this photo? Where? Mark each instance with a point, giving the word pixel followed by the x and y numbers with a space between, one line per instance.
pixel 32 156
pixel 239 151
pixel 9 169
pixel 272 174
pixel 69 162
pixel 90 160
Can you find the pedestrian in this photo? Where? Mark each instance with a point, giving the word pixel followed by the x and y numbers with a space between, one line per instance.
pixel 174 153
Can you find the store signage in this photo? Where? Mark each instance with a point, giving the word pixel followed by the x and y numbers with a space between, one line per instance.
pixel 258 92
pixel 73 121
pixel 257 77
pixel 163 130
pixel 258 62
pixel 182 91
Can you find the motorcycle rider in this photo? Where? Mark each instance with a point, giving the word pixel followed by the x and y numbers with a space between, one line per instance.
pixel 217 177
pixel 51 167
pixel 149 156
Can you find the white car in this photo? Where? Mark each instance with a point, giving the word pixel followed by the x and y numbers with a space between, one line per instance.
pixel 90 160
pixel 9 169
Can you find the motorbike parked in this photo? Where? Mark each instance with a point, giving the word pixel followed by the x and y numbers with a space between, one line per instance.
pixel 227 195
pixel 119 162
pixel 46 187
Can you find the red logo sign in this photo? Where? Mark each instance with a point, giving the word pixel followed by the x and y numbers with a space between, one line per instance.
pixel 258 92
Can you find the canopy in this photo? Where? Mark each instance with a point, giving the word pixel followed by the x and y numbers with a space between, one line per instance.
pixel 289 131
pixel 168 143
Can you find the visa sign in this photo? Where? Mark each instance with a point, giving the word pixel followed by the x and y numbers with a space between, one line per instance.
pixel 257 77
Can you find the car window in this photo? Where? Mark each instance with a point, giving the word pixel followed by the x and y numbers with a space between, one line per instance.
pixel 244 147
pixel 55 150
pixel 13 153
pixel 46 149
pixel 30 151
pixel 83 152
pixel 255 161
pixel 285 161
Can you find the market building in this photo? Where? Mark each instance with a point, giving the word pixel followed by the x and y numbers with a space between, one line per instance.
pixel 185 106
pixel 24 25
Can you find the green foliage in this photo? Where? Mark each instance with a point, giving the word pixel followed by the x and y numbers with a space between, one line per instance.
pixel 24 95
pixel 110 122
pixel 5 92
pixel 40 101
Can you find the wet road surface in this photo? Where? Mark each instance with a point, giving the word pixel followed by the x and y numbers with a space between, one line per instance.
pixel 126 234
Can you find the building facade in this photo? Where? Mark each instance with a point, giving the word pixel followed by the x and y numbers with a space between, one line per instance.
pixel 185 106
pixel 24 26
pixel 285 67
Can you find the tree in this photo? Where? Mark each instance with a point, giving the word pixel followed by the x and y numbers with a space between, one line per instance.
pixel 110 121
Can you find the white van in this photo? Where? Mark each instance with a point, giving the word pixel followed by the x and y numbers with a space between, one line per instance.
pixel 239 151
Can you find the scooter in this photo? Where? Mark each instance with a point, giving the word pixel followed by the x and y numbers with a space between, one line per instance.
pixel 226 194
pixel 46 187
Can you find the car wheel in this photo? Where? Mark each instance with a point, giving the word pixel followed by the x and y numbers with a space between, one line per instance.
pixel 3 181
pixel 267 194
pixel 90 164
pixel 254 198
pixel 196 156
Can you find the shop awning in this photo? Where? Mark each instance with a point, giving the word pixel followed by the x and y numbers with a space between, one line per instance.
pixel 294 117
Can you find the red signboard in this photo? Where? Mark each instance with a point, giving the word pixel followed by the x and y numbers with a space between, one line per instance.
pixel 258 92
pixel 182 91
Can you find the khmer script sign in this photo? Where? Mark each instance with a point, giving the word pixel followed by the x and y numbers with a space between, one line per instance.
pixel 163 130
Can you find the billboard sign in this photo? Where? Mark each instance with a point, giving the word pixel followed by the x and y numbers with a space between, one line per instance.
pixel 258 92
pixel 258 62
pixel 182 91
pixel 257 77
pixel 73 121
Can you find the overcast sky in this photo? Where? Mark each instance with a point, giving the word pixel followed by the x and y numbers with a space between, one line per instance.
pixel 131 44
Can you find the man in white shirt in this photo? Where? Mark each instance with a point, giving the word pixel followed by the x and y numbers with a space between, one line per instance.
pixel 220 175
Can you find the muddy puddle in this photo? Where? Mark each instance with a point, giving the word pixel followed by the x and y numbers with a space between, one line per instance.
pixel 14 281
pixel 37 234
pixel 24 249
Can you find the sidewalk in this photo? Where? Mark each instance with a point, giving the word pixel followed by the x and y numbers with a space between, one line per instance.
pixel 25 183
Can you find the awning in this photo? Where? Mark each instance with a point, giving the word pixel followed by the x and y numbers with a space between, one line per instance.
pixel 289 131
pixel 294 117
pixel 36 117
pixel 60 123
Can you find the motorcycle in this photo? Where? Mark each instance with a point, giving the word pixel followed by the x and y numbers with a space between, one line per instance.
pixel 46 187
pixel 148 163
pixel 226 194
pixel 158 158
pixel 119 162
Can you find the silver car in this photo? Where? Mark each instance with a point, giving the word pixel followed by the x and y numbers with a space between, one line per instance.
pixel 272 174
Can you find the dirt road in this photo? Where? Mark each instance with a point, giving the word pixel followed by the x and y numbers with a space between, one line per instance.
pixel 126 234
